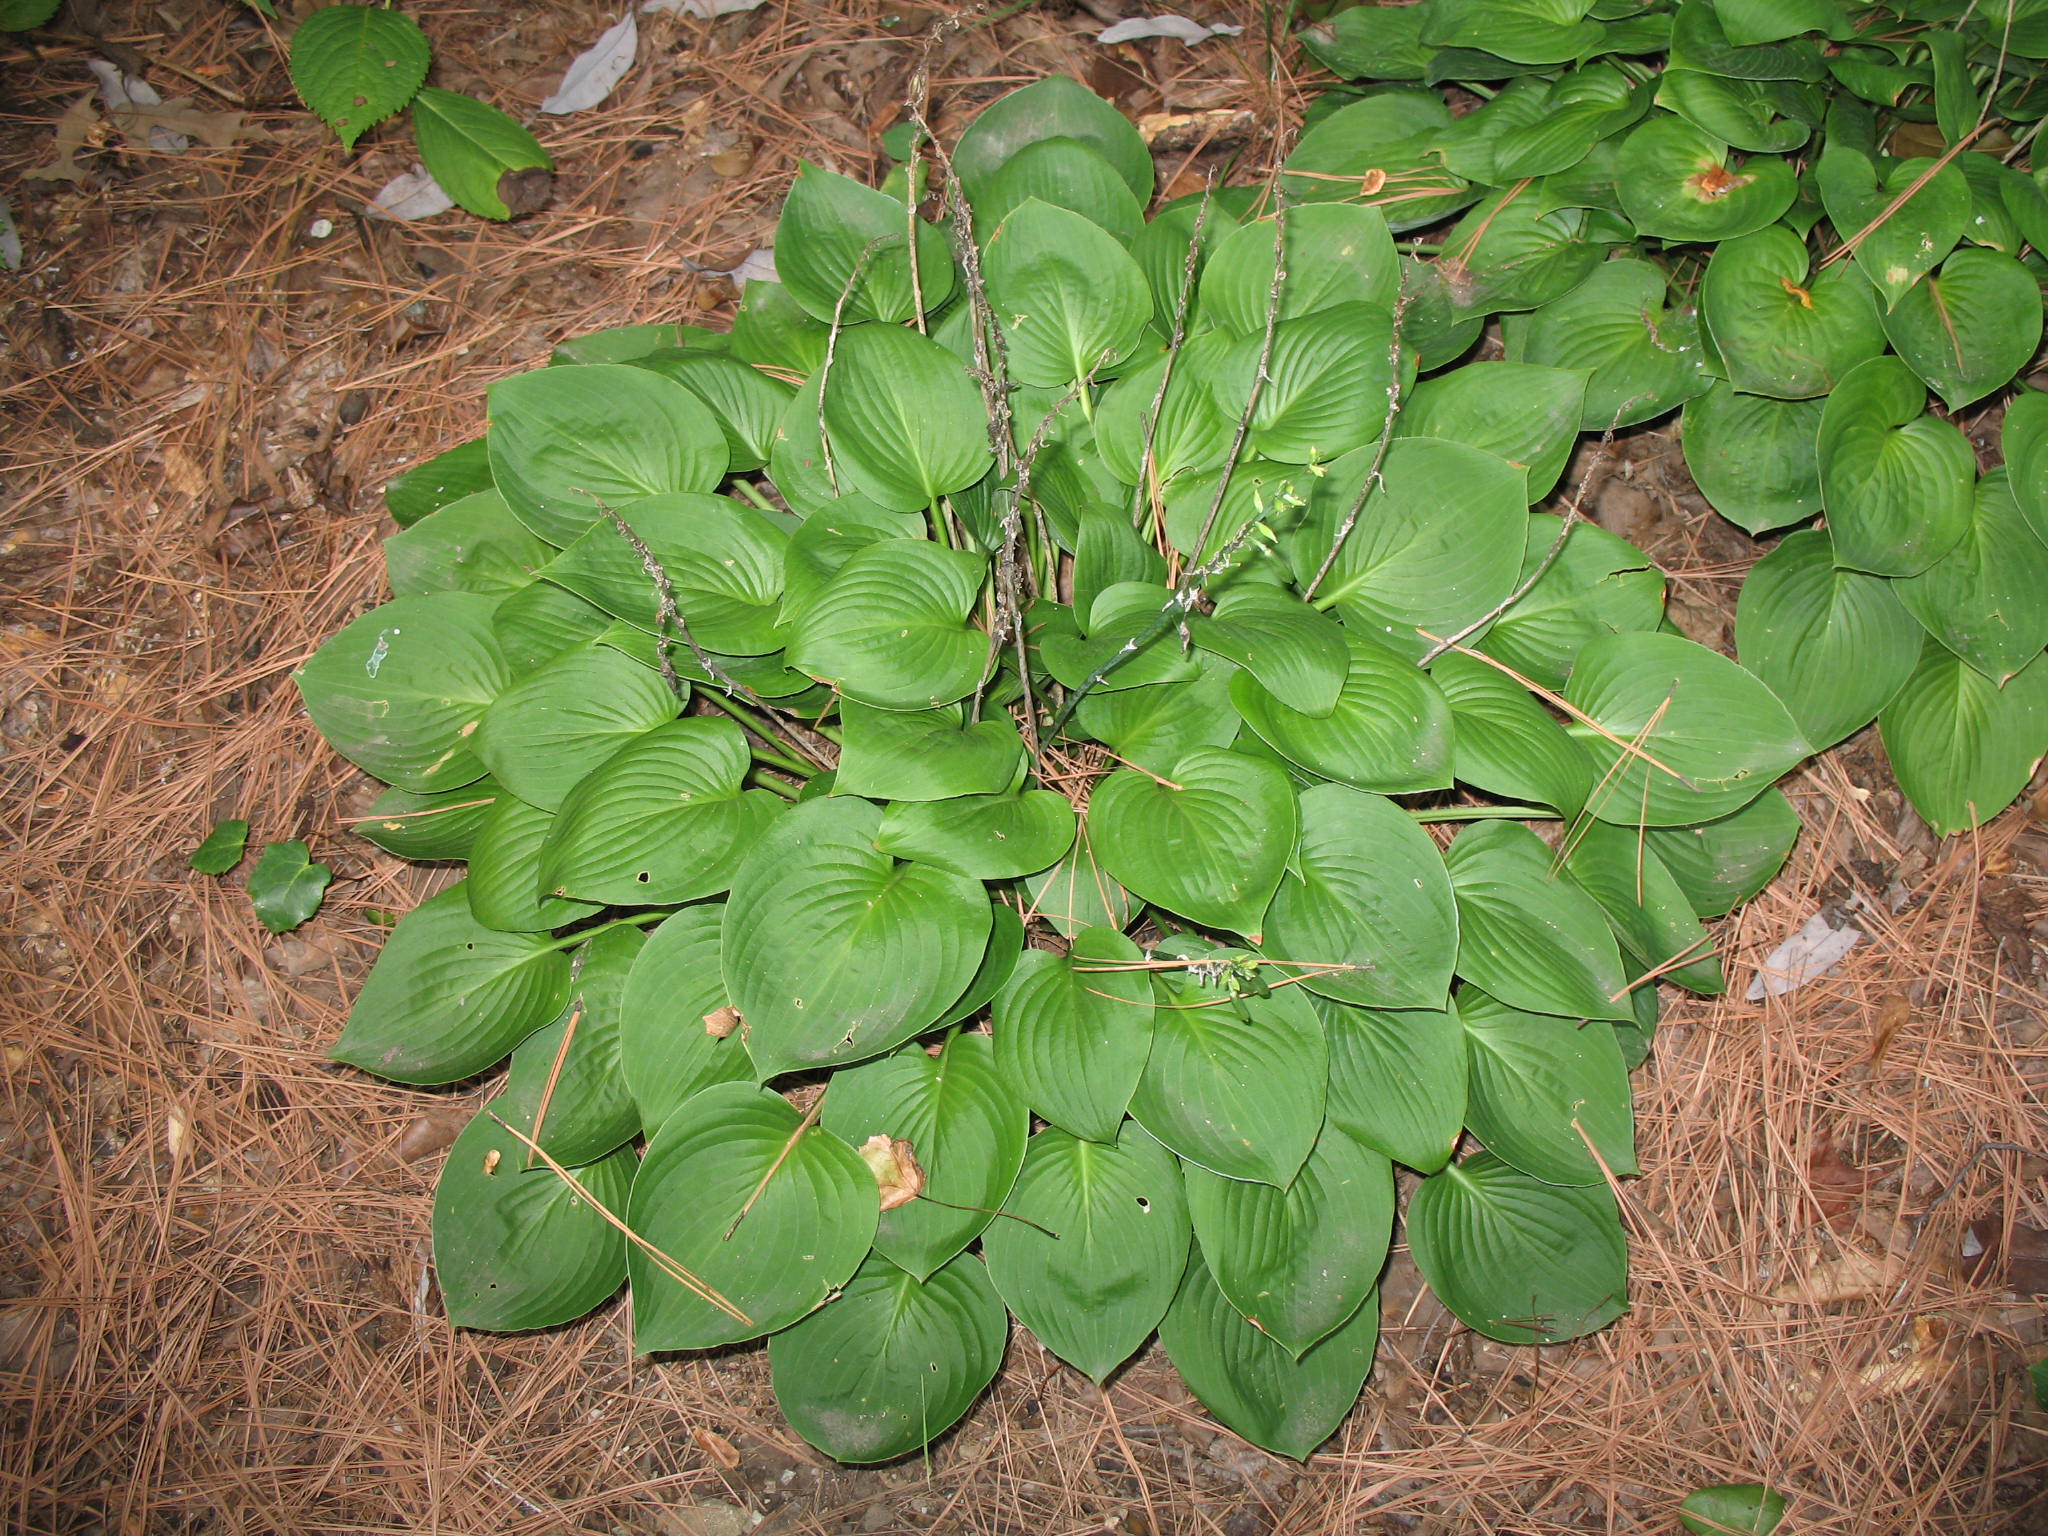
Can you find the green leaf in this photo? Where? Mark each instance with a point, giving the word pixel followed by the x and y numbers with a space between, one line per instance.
pixel 985 837
pixel 1394 133
pixel 1077 893
pixel 1301 1261
pixel 355 65
pixel 890 628
pixel 285 887
pixel 1542 1087
pixel 1437 545
pixel 1779 332
pixel 1528 937
pixel 907 425
pixel 443 825
pixel 925 754
pixel 1297 654
pixel 1073 1031
pixel 1390 731
pixel 618 344
pixel 1524 31
pixel 1679 182
pixel 968 1128
pixel 1256 1386
pixel 1896 482
pixel 1962 746
pixel 399 691
pixel 471 545
pixel 1753 115
pixel 1327 383
pixel 1644 905
pixel 1595 585
pixel 835 952
pixel 519 1247
pixel 222 848
pixel 1191 434
pixel 1987 598
pixel 1156 727
pixel 1108 551
pixel 539 622
pixel 564 440
pixel 1122 614
pixel 505 890
pixel 661 820
pixel 667 1053
pixel 480 156
pixel 1366 890
pixel 1397 1079
pixel 1235 1084
pixel 1372 42
pixel 1831 644
pixel 747 402
pixel 1587 106
pixel 1913 240
pixel 1641 358
pixel 1748 22
pixel 1732 1509
pixel 1507 743
pixel 1754 458
pixel 772 330
pixel 572 1066
pixel 1721 864
pixel 1208 844
pixel 1680 733
pixel 1054 107
pixel 830 536
pixel 2024 438
pixel 1512 253
pixel 1070 301
pixel 23 15
pixel 892 1361
pixel 436 482
pixel 1525 413
pixel 1066 173
pixel 811 1219
pixel 841 249
pixel 554 726
pixel 449 997
pixel 1516 1259
pixel 1334 253
pixel 1969 327
pixel 1093 1292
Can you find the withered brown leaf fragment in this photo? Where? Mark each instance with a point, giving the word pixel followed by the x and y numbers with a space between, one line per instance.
pixel 894 1164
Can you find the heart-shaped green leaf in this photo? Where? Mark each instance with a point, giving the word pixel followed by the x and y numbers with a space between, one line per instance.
pixel 890 628
pixel 667 1051
pixel 1968 327
pixel 1366 896
pixel 1298 1262
pixel 1334 253
pixel 399 691
pixel 1585 583
pixel 1512 253
pixel 1897 483
pixel 1209 844
pixel 1397 1079
pixel 1527 414
pixel 1068 174
pixel 1256 1386
pixel 1517 1259
pixel 2024 438
pixel 437 826
pixel 987 837
pixel 1297 654
pixel 1092 1292
pixel 223 848
pixel 1913 238
pixel 746 401
pixel 925 754
pixel 566 440
pixel 1963 747
pixel 1189 432
pixel 554 726
pixel 1751 115
pixel 471 545
pixel 1677 733
pixel 1055 107
pixel 1779 332
pixel 1680 182
pixel 1507 743
pixel 1078 893
pixel 1380 152
pixel 1987 598
pixel 1754 458
pixel 1542 1088
pixel 1156 727
pixel 567 1075
pixel 835 952
pixel 1641 358
pixel 1073 1031
pixel 449 997
pixel 1327 382
pixel 1390 731
pixel 437 482
pixel 1070 301
pixel 1235 1084
pixel 967 1127
pixel 1525 934
pixel 842 249
pixel 1644 905
pixel 515 1244
pixel 539 622
pixel 906 423
pixel 810 1208
pixel 891 1361
pixel 661 820
pixel 1721 864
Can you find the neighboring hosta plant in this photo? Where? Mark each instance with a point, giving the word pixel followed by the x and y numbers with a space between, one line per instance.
pixel 946 774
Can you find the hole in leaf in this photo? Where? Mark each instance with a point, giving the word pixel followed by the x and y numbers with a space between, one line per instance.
pixel 1144 1205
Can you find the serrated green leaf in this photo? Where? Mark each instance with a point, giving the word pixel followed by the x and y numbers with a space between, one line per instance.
pixel 356 65
pixel 892 1360
pixel 449 997
pixel 810 1206
pixel 479 155
pixel 1093 1292
pixel 1525 934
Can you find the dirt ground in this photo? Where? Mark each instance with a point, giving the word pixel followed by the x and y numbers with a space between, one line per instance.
pixel 216 1312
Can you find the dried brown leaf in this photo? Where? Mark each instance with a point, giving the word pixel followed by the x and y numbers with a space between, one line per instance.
pixel 430 1132
pixel 894 1164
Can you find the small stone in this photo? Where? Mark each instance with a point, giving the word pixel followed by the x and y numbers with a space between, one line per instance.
pixel 877 1517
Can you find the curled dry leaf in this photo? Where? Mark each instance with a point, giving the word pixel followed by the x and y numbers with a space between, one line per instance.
pixel 1922 1362
pixel 430 1133
pixel 720 1022
pixel 1894 1012
pixel 1811 953
pixel 2014 1258
pixel 895 1167
pixel 717 1447
pixel 1187 130
pixel 1855 1274
pixel 1835 1183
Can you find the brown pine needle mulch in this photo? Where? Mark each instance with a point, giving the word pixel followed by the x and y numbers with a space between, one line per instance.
pixel 216 1312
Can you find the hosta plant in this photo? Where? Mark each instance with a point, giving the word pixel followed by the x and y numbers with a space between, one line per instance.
pixel 1010 784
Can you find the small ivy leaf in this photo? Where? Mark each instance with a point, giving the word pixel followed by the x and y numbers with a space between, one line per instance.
pixel 285 887
pixel 479 155
pixel 356 65
pixel 223 848
pixel 1732 1509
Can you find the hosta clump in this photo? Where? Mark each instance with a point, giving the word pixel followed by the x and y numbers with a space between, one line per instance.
pixel 946 770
